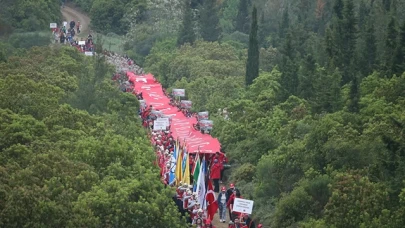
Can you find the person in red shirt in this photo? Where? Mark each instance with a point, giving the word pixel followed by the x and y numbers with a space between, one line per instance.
pixel 208 224
pixel 229 204
pixel 216 174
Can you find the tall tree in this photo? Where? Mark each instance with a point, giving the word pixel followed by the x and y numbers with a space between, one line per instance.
pixel 341 39
pixel 399 61
pixel 306 77
pixel 285 24
pixel 349 37
pixel 252 65
pixel 390 47
pixel 242 18
pixel 186 34
pixel 354 96
pixel 262 30
pixel 368 56
pixel 289 67
pixel 209 21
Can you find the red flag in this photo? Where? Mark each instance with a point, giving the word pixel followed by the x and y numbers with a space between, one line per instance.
pixel 212 204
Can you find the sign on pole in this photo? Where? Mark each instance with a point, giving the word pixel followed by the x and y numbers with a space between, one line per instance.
pixel 206 124
pixel 82 42
pixel 243 206
pixel 186 104
pixel 53 25
pixel 159 126
pixel 88 53
pixel 203 115
pixel 179 92
pixel 164 120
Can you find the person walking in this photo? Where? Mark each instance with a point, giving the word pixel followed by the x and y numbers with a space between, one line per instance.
pixel 216 174
pixel 78 27
pixel 222 204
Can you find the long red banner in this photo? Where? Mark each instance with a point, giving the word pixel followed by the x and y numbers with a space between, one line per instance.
pixel 181 126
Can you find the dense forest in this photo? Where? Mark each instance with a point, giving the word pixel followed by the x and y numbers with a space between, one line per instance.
pixel 73 152
pixel 316 129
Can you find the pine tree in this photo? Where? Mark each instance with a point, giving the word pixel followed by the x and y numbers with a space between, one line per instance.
pixel 289 68
pixel 285 24
pixel 242 19
pixel 399 61
pixel 390 47
pixel 306 77
pixel 209 21
pixel 354 96
pixel 186 34
pixel 262 31
pixel 368 56
pixel 348 37
pixel 338 9
pixel 341 39
pixel 252 64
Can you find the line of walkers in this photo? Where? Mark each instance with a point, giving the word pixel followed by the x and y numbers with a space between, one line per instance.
pixel 185 198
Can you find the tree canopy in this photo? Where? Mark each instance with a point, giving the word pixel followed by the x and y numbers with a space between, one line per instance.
pixel 72 150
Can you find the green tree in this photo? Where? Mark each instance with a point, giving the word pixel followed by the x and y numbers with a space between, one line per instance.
pixel 285 24
pixel 399 65
pixel 242 18
pixel 186 33
pixel 209 21
pixel 368 56
pixel 391 45
pixel 252 64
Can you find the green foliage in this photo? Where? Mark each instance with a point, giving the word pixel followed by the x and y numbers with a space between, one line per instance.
pixel 242 18
pixel 186 33
pixel 209 21
pixel 326 106
pixel 252 65
pixel 29 16
pixel 72 152
pixel 107 16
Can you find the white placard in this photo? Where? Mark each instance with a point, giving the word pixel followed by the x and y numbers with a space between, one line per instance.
pixel 65 23
pixel 243 205
pixel 179 92
pixel 53 25
pixel 82 42
pixel 88 53
pixel 166 120
pixel 159 125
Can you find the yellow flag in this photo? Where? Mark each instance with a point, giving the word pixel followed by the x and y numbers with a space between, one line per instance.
pixel 186 178
pixel 179 154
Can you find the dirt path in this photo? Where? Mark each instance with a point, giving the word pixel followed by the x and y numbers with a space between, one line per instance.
pixel 70 13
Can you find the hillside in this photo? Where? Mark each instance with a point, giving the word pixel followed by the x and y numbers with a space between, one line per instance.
pixel 307 99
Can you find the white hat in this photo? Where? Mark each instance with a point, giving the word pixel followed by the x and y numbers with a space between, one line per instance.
pixel 167 151
pixel 200 210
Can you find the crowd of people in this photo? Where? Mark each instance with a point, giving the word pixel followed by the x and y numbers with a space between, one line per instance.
pixel 164 144
pixel 67 35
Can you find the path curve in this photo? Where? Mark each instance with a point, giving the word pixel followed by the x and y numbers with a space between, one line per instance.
pixel 69 13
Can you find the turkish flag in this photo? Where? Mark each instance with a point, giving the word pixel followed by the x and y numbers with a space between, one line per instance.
pixel 212 204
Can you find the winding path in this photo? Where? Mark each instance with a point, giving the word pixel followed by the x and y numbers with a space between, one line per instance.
pixel 69 13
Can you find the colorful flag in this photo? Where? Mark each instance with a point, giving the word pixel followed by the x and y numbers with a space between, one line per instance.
pixel 173 165
pixel 183 165
pixel 178 164
pixel 201 184
pixel 196 173
pixel 212 204
pixel 186 177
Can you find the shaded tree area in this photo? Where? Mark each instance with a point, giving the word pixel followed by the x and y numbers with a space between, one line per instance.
pixel 72 151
